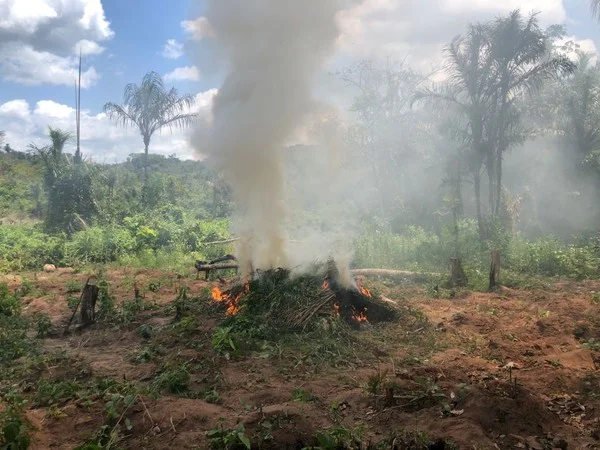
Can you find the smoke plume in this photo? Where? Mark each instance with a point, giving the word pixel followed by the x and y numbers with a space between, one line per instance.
pixel 274 49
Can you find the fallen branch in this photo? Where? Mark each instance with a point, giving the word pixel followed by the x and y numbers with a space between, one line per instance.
pixel 392 273
pixel 206 268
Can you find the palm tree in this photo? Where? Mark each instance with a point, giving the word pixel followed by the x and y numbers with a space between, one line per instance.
pixel 467 90
pixel 150 107
pixel 519 52
pixel 581 117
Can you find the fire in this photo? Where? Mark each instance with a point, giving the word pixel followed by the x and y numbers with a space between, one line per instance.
pixel 363 290
pixel 336 309
pixel 232 302
pixel 218 296
pixel 325 284
pixel 360 317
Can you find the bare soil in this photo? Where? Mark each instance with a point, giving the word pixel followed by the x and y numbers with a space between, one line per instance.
pixel 512 369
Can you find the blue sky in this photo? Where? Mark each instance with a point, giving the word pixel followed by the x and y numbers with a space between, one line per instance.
pixel 124 39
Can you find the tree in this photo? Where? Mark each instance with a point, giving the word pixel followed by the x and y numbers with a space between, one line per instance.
pixel 150 107
pixel 68 186
pixel 489 71
pixel 520 54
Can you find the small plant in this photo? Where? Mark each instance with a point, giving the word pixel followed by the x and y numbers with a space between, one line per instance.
pixel 223 341
pixel 223 439
pixel 212 396
pixel 174 381
pixel 145 331
pixel 13 430
pixel 72 302
pixel 52 393
pixel 300 395
pixel 9 303
pixel 43 324
pixel 376 382
pixel 337 438
pixel 73 286
pixel 106 308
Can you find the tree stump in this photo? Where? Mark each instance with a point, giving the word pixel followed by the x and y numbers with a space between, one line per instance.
pixel 494 270
pixel 88 304
pixel 458 278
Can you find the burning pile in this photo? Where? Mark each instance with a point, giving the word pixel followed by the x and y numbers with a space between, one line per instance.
pixel 279 300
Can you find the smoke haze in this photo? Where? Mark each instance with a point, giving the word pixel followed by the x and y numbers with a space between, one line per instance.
pixel 274 50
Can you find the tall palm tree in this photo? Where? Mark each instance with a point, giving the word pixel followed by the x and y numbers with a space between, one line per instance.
pixel 150 107
pixel 467 90
pixel 519 53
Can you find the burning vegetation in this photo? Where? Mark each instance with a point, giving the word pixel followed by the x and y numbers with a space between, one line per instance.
pixel 301 302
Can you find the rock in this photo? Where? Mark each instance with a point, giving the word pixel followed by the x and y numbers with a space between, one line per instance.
pixel 49 268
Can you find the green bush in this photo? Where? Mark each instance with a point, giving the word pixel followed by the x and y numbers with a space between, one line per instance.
pixel 25 247
pixel 99 245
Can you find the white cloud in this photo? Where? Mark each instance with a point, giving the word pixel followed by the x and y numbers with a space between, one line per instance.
pixel 25 65
pixel 189 73
pixel 420 30
pixel 198 28
pixel 101 140
pixel 37 36
pixel 15 109
pixel 88 48
pixel 172 49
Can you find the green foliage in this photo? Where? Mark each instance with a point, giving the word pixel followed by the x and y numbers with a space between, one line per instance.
pixel 228 439
pixel 14 430
pixel 9 303
pixel 223 341
pixel 174 380
pixel 27 247
pixel 106 301
pixel 99 245
pixel 300 395
pixel 43 325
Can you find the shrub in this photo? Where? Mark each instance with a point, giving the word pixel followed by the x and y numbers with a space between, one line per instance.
pixel 98 245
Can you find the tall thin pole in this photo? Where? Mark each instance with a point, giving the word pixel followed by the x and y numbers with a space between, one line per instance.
pixel 78 158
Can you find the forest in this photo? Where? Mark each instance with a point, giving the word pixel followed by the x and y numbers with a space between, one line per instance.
pixel 493 158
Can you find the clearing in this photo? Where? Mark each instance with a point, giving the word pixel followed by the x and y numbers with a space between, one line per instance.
pixel 512 369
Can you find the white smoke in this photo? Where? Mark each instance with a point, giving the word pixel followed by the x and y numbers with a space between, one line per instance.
pixel 274 48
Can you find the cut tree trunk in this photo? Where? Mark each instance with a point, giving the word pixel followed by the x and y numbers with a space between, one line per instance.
pixel 458 278
pixel 494 269
pixel 88 304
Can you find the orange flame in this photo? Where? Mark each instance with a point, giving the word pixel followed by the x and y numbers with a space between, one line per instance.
pixel 232 303
pixel 325 284
pixel 218 296
pixel 360 317
pixel 365 291
pixel 336 309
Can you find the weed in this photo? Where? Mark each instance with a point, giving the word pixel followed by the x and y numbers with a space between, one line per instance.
pixel 376 381
pixel 43 324
pixel 106 309
pixel 72 286
pixel 336 438
pixel 223 341
pixel 53 393
pixel 300 395
pixel 145 331
pixel 14 433
pixel 72 302
pixel 212 396
pixel 175 381
pixel 228 439
pixel 9 303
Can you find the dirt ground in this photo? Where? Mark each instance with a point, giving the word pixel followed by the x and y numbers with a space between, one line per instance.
pixel 512 369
